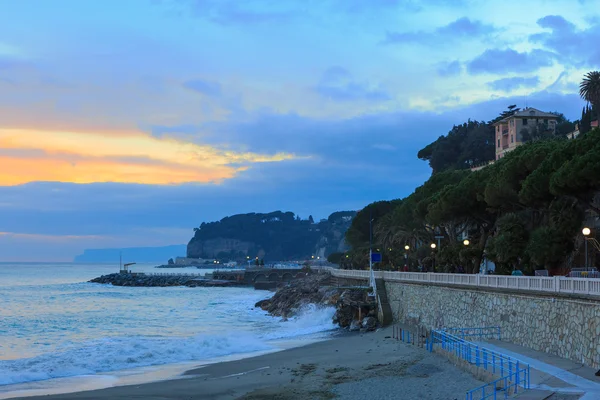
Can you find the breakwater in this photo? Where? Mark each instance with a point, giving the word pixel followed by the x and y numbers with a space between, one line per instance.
pixel 119 279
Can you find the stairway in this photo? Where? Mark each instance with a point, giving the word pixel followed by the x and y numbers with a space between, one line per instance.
pixel 384 313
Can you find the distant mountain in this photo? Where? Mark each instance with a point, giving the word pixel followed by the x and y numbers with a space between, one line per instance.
pixel 276 236
pixel 132 254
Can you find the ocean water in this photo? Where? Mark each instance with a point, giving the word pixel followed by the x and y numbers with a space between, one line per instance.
pixel 54 325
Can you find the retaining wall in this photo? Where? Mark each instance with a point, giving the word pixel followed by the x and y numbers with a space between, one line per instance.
pixel 559 325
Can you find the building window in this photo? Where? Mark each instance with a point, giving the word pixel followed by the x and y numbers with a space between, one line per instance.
pixel 512 139
pixel 498 143
pixel 524 121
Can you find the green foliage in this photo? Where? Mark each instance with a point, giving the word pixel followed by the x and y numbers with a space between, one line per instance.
pixel 277 236
pixel 358 235
pixel 589 89
pixel 524 211
pixel 335 258
pixel 510 240
pixel 469 144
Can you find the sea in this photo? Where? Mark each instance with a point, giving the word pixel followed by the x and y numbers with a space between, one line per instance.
pixel 59 333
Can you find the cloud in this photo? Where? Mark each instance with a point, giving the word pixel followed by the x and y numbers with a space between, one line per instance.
pixel 576 47
pixel 509 84
pixel 130 157
pixel 462 28
pixel 496 61
pixel 450 69
pixel 207 88
pixel 352 163
pixel 338 84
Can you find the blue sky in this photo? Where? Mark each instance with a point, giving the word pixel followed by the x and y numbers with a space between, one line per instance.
pixel 127 123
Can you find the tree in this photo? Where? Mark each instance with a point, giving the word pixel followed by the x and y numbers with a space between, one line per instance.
pixel 589 89
pixel 509 243
pixel 335 258
pixel 468 144
pixel 311 220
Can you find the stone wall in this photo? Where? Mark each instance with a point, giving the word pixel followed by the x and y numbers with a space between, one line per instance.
pixel 566 327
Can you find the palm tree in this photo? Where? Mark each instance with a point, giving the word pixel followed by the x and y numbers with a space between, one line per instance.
pixel 589 89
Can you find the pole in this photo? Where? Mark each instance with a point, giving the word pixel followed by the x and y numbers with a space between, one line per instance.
pixel 586 253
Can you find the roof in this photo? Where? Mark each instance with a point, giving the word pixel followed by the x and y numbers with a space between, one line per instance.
pixel 528 112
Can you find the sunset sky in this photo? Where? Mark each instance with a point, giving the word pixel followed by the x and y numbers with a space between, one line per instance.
pixel 129 122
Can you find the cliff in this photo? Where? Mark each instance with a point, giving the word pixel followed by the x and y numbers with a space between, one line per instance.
pixel 276 236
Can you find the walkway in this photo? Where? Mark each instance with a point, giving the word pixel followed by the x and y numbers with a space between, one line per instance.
pixel 551 373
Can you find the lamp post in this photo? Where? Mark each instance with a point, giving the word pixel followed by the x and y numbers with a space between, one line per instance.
pixel 248 260
pixel 586 232
pixel 433 246
pixel 406 249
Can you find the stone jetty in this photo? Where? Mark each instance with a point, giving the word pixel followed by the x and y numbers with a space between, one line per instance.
pixel 119 279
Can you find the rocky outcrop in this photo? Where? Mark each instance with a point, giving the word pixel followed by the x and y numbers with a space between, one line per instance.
pixel 353 306
pixel 162 281
pixel 273 237
pixel 213 248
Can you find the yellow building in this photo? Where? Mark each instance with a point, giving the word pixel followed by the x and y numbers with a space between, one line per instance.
pixel 509 130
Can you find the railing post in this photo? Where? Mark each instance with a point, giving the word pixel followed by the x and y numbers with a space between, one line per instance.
pixel 517 378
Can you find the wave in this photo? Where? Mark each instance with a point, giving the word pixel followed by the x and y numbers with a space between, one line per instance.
pixel 112 354
pixel 118 353
pixel 309 320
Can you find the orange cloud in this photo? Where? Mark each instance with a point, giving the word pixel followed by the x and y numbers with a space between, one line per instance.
pixel 132 157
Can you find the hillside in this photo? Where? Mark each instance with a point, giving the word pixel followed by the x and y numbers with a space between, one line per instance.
pixel 275 236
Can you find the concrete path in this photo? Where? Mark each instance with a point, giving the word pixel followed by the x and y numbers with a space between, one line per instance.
pixel 551 373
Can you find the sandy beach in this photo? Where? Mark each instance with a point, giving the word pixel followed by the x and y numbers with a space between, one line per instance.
pixel 356 366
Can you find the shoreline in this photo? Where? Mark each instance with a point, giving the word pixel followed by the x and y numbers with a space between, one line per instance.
pixel 350 366
pixel 147 374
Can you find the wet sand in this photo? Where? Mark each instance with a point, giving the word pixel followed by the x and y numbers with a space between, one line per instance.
pixel 357 366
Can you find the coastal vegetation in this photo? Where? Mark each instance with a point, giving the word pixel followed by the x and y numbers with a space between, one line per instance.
pixel 525 211
pixel 275 236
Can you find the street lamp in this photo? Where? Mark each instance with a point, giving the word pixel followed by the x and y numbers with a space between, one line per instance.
pixel 586 232
pixel 466 242
pixel 248 259
pixel 433 246
pixel 407 247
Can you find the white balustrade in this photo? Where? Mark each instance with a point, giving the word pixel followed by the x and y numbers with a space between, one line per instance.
pixel 556 284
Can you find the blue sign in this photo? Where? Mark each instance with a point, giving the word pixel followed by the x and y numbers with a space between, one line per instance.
pixel 375 257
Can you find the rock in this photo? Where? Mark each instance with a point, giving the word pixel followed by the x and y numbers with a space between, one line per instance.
pixel 354 326
pixel 264 304
pixel 369 323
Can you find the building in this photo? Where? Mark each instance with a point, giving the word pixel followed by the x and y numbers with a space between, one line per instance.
pixel 509 130
pixel 575 133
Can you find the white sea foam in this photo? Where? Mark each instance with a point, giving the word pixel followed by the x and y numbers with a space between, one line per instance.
pixel 113 354
pixel 309 320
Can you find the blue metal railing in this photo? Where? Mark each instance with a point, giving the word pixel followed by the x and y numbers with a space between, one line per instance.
pixel 513 372
pixel 506 386
pixel 488 332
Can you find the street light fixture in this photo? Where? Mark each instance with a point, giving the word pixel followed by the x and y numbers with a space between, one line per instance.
pixel 586 232
pixel 407 247
pixel 433 246
pixel 466 242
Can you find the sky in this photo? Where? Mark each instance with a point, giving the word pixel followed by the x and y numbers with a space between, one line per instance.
pixel 128 123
